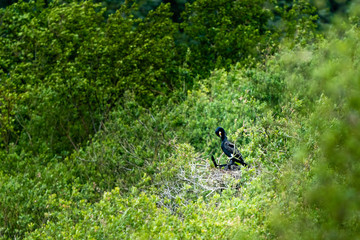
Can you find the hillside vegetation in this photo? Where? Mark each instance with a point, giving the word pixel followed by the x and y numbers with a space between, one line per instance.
pixel 107 121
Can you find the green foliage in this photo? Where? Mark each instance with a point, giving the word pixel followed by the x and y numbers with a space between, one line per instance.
pixel 126 147
pixel 73 66
pixel 149 149
pixel 297 21
pixel 223 32
pixel 325 201
pixel 25 190
pixel 138 217
pixel 152 154
pixel 68 64
pixel 8 99
pixel 110 86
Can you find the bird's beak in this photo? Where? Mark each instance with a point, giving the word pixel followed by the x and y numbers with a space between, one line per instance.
pixel 220 134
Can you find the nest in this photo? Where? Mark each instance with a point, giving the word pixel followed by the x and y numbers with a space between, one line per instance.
pixel 198 178
pixel 213 178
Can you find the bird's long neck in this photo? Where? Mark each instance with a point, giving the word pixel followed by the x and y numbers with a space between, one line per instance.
pixel 223 138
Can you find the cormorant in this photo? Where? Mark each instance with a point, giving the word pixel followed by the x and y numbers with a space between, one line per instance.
pixel 229 149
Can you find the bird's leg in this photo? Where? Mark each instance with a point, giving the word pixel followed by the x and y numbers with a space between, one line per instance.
pixel 225 166
pixel 229 164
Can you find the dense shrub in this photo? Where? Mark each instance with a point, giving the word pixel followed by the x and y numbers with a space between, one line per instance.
pixel 304 163
pixel 149 149
pixel 70 66
pixel 73 77
pixel 66 64
pixel 220 33
pixel 320 182
pixel 153 155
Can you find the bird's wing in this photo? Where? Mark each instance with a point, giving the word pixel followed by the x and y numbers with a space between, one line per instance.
pixel 230 149
pixel 234 152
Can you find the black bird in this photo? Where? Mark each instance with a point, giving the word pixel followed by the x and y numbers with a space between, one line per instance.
pixel 229 149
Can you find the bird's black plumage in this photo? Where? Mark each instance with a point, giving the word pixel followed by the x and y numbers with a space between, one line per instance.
pixel 229 148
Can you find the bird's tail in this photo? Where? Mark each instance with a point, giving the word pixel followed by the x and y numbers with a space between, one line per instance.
pixel 213 160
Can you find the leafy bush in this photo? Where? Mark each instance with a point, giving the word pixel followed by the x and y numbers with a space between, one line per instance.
pixel 138 217
pixel 325 196
pixel 70 66
pixel 144 171
pixel 221 33
pixel 153 155
pixel 66 65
